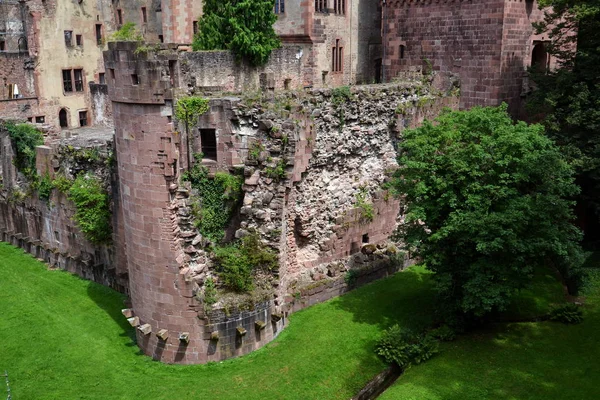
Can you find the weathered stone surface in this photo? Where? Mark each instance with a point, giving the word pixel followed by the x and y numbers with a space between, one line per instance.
pixel 163 334
pixel 146 329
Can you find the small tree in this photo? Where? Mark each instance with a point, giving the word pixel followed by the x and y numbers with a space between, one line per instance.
pixel 242 26
pixel 486 202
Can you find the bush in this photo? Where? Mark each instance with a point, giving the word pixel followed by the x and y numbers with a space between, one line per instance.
pixel 443 333
pixel 92 209
pixel 127 33
pixel 404 347
pixel 45 187
pixel 24 139
pixel 237 262
pixel 569 313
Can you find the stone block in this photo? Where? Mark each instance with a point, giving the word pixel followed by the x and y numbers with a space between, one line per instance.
pixel 276 317
pixel 127 312
pixel 162 334
pixel 134 321
pixel 260 325
pixel 214 335
pixel 240 331
pixel 184 337
pixel 146 329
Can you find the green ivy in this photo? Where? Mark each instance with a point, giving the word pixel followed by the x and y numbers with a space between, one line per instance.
pixel 339 96
pixel 218 197
pixel 367 211
pixel 127 33
pixel 278 171
pixel 44 187
pixel 62 183
pixel 188 109
pixel 237 262
pixel 92 209
pixel 24 139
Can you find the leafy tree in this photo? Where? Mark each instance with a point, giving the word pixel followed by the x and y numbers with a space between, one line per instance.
pixel 243 26
pixel 569 96
pixel 486 201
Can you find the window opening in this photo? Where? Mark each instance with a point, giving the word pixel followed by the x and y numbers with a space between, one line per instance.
pixel 119 16
pixel 365 238
pixel 539 57
pixel 62 118
pixel 208 141
pixel 402 50
pixel 339 7
pixel 67 81
pixel 112 73
pixel 279 6
pixel 286 84
pixel 79 40
pixel 135 79
pixel 99 34
pixel 101 78
pixel 144 15
pixel 160 38
pixel 83 118
pixel 337 56
pixel 78 75
pixel 195 27
pixel 69 38
pixel 40 120
pixel 2 44
pixel 321 6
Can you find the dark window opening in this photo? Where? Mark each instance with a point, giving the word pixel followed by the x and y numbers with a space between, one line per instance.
pixel 286 84
pixel 120 16
pixel 402 50
pixel 540 60
pixel 365 238
pixel 208 141
pixel 62 118
pixel 169 119
pixel 144 15
pixel 99 34
pixel 79 40
pixel 83 118
pixel 337 57
pixel 101 78
pixel 40 120
pixel 160 38
pixel 2 44
pixel 173 72
pixel 78 75
pixel 195 27
pixel 67 81
pixel 321 6
pixel 339 7
pixel 69 38
pixel 112 73
pixel 30 119
pixel 279 6
pixel 135 79
pixel 378 68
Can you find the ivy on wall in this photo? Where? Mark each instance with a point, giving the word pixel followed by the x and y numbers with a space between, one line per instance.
pixel 24 139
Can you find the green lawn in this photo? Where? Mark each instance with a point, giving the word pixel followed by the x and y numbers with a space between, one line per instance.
pixel 544 360
pixel 62 337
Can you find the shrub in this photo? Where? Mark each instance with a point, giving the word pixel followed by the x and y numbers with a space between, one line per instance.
pixel 569 313
pixel 127 33
pixel 236 262
pixel 45 187
pixel 62 183
pixel 24 139
pixel 367 211
pixel 404 347
pixel 92 209
pixel 351 277
pixel 443 333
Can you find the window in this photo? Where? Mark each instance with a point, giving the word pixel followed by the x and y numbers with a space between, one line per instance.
pixel 40 120
pixel 72 75
pixel 402 50
pixel 99 34
pixel 135 79
pixel 67 80
pixel 321 6
pixel 119 16
pixel 112 73
pixel 62 118
pixel 365 238
pixel 2 44
pixel 101 78
pixel 195 27
pixel 69 38
pixel 337 57
pixel 78 73
pixel 83 118
pixel 279 6
pixel 79 40
pixel 208 141
pixel 144 15
pixel 160 38
pixel 339 7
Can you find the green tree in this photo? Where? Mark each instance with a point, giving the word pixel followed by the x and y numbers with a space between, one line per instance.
pixel 242 26
pixel 486 201
pixel 569 96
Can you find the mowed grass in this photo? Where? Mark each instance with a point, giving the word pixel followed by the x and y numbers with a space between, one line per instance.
pixel 62 337
pixel 543 360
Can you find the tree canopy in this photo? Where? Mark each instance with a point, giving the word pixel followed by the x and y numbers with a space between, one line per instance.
pixel 486 202
pixel 569 96
pixel 242 26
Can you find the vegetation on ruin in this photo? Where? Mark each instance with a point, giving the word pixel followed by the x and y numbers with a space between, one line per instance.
pixel 217 200
pixel 327 352
pixel 243 26
pixel 277 172
pixel 92 208
pixel 188 109
pixel 486 203
pixel 24 139
pixel 237 263
pixel 126 33
pixel 44 187
pixel 339 97
pixel 568 98
pixel 365 207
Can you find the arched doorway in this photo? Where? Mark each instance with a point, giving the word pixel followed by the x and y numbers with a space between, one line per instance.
pixel 539 57
pixel 62 118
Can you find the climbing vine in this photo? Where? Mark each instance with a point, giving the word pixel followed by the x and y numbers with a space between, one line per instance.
pixel 92 208
pixel 24 139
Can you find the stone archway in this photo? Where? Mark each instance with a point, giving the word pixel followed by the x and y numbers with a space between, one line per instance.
pixel 62 118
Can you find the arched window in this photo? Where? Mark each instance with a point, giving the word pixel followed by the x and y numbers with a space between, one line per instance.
pixel 62 118
pixel 540 59
pixel 402 51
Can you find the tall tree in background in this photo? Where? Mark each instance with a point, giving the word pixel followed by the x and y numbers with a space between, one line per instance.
pixel 242 26
pixel 570 96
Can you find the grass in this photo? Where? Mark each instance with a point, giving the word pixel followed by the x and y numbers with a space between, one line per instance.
pixel 62 337
pixel 542 360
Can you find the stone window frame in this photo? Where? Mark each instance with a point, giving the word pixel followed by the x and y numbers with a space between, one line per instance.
pixel 339 7
pixel 321 7
pixel 99 35
pixel 144 14
pixel 74 85
pixel 79 40
pixel 83 116
pixel 119 16
pixel 337 56
pixel 279 7
pixel 68 38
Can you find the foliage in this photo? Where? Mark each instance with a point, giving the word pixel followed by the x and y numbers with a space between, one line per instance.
pixel 236 262
pixel 569 313
pixel 443 333
pixel 339 96
pixel 188 109
pixel 367 211
pixel 25 138
pixel 486 203
pixel 404 347
pixel 278 171
pixel 351 277
pixel 127 33
pixel 210 292
pixel 62 183
pixel 568 98
pixel 44 187
pixel 92 208
pixel 242 26
pixel 218 198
